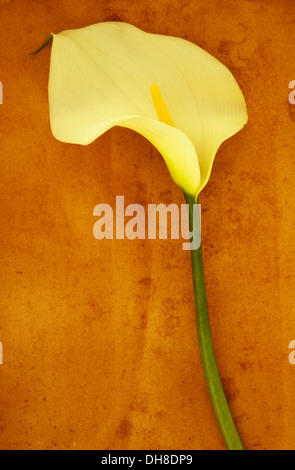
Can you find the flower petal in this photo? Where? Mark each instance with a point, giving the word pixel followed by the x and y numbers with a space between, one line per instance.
pixel 177 150
pixel 101 75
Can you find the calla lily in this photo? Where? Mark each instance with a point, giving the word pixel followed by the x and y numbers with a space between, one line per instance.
pixel 183 100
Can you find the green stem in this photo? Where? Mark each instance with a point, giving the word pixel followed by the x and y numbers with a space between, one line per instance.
pixel 50 37
pixel 218 399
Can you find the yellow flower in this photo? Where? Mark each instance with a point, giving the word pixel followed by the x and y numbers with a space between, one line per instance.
pixel 183 100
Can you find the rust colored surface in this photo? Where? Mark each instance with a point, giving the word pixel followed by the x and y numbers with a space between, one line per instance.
pixel 99 339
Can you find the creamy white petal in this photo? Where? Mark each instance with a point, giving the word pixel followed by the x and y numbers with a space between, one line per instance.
pixel 177 150
pixel 102 74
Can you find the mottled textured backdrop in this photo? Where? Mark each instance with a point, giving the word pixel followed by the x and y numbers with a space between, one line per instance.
pixel 99 339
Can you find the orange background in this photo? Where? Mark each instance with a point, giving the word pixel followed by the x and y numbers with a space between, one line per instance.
pixel 99 338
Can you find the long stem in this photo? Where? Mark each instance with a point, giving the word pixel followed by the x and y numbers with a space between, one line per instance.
pixel 218 399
